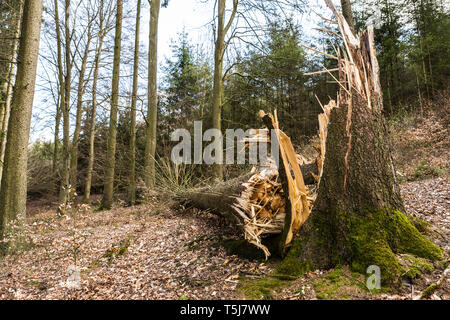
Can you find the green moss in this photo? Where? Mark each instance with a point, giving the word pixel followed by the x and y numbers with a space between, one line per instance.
pixel 375 237
pixel 370 247
pixel 117 251
pixel 429 291
pixel 444 264
pixel 292 265
pixel 339 284
pixel 415 267
pixel 335 274
pixel 421 226
pixel 404 237
pixel 423 171
pixel 262 288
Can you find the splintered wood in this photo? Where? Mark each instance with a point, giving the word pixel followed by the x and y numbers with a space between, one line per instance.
pixel 262 204
pixel 324 118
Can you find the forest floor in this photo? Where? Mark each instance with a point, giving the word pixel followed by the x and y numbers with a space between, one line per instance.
pixel 160 251
pixel 157 252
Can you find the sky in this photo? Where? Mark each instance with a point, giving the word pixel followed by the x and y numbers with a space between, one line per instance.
pixel 193 16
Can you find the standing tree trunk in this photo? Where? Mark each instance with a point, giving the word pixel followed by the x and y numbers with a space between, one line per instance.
pixel 358 218
pixel 80 93
pixel 219 50
pixel 8 90
pixel 111 152
pixel 56 135
pixel 60 103
pixel 101 36
pixel 132 188
pixel 65 183
pixel 13 194
pixel 150 134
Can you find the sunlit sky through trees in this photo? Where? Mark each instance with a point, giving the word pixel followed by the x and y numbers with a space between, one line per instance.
pixel 195 17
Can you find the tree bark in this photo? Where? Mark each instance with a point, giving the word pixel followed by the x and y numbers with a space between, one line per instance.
pixel 8 90
pixel 60 103
pixel 13 192
pixel 219 50
pixel 65 183
pixel 112 135
pixel 150 144
pixel 101 36
pixel 132 187
pixel 80 93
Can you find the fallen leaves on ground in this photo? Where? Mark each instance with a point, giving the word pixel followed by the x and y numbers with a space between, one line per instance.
pixel 154 252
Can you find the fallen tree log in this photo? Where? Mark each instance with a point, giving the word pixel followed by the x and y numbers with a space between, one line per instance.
pixel 218 199
pixel 270 199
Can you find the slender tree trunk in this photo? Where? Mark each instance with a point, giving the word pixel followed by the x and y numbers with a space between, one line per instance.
pixel 132 188
pixel 219 50
pixel 8 90
pixel 61 100
pixel 424 69
pixel 13 192
pixel 218 83
pixel 348 13
pixel 111 152
pixel 80 93
pixel 102 33
pixel 430 66
pixel 56 135
pixel 65 183
pixel 420 94
pixel 152 113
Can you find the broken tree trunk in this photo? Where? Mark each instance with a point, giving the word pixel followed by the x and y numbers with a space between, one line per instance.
pixel 358 216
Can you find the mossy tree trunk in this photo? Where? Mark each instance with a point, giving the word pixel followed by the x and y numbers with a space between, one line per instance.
pixel 358 217
pixel 7 90
pixel 13 192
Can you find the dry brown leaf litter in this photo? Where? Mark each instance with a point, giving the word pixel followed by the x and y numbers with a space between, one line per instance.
pixel 130 253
